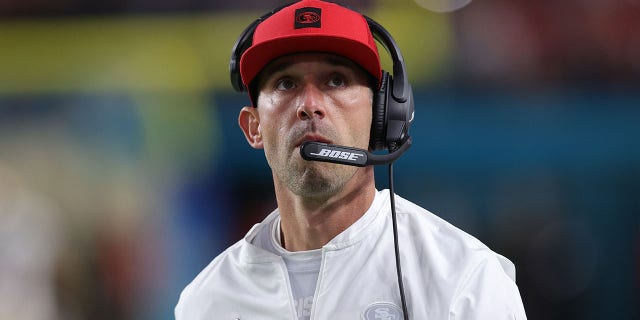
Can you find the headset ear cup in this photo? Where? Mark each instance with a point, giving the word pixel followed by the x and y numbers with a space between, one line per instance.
pixel 377 140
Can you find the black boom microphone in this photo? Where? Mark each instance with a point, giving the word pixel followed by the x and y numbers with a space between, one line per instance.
pixel 318 151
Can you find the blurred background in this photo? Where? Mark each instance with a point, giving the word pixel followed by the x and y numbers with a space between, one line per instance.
pixel 123 172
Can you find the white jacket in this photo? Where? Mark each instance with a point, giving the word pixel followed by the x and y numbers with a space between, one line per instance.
pixel 447 274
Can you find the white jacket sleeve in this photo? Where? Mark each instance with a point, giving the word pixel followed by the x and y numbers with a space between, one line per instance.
pixel 488 292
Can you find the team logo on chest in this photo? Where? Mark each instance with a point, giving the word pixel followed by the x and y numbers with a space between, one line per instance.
pixel 382 311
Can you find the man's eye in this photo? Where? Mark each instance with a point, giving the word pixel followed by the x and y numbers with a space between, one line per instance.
pixel 285 84
pixel 336 81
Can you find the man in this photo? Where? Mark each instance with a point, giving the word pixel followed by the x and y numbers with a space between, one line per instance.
pixel 312 72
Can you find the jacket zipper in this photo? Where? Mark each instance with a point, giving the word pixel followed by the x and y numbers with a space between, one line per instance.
pixel 318 283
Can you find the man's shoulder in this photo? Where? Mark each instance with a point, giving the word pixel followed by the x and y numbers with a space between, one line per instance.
pixel 219 266
pixel 201 288
pixel 424 222
pixel 233 259
pixel 464 267
pixel 216 290
pixel 446 242
pixel 236 262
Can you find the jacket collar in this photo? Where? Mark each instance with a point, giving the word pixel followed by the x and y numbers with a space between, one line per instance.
pixel 369 224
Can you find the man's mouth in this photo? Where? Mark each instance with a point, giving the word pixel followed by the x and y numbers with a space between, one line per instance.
pixel 312 137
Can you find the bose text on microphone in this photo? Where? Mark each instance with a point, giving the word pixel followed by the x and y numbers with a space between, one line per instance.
pixel 318 151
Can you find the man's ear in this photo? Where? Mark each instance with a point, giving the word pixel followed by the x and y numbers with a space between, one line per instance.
pixel 249 122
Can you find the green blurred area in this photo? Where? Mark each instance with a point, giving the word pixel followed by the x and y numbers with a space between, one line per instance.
pixel 184 53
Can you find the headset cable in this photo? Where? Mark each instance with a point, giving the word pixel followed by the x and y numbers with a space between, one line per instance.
pixel 405 312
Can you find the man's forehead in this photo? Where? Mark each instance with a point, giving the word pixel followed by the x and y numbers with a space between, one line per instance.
pixel 288 61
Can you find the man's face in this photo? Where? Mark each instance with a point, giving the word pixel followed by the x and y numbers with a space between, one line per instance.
pixel 318 97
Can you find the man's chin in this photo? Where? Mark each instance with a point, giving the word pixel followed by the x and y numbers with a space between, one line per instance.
pixel 314 180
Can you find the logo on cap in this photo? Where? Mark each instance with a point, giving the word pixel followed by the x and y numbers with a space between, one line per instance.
pixel 308 18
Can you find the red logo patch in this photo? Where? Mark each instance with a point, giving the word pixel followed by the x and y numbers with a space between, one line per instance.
pixel 308 18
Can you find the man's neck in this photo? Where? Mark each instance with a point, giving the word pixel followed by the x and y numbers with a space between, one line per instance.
pixel 310 223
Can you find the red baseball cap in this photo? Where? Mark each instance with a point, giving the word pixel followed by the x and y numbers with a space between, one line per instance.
pixel 311 26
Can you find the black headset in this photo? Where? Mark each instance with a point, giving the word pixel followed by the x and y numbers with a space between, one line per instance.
pixel 392 103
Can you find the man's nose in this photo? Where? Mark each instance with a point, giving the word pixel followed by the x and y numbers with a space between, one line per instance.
pixel 311 103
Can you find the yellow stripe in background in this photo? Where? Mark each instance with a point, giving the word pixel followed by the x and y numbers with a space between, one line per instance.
pixel 177 52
